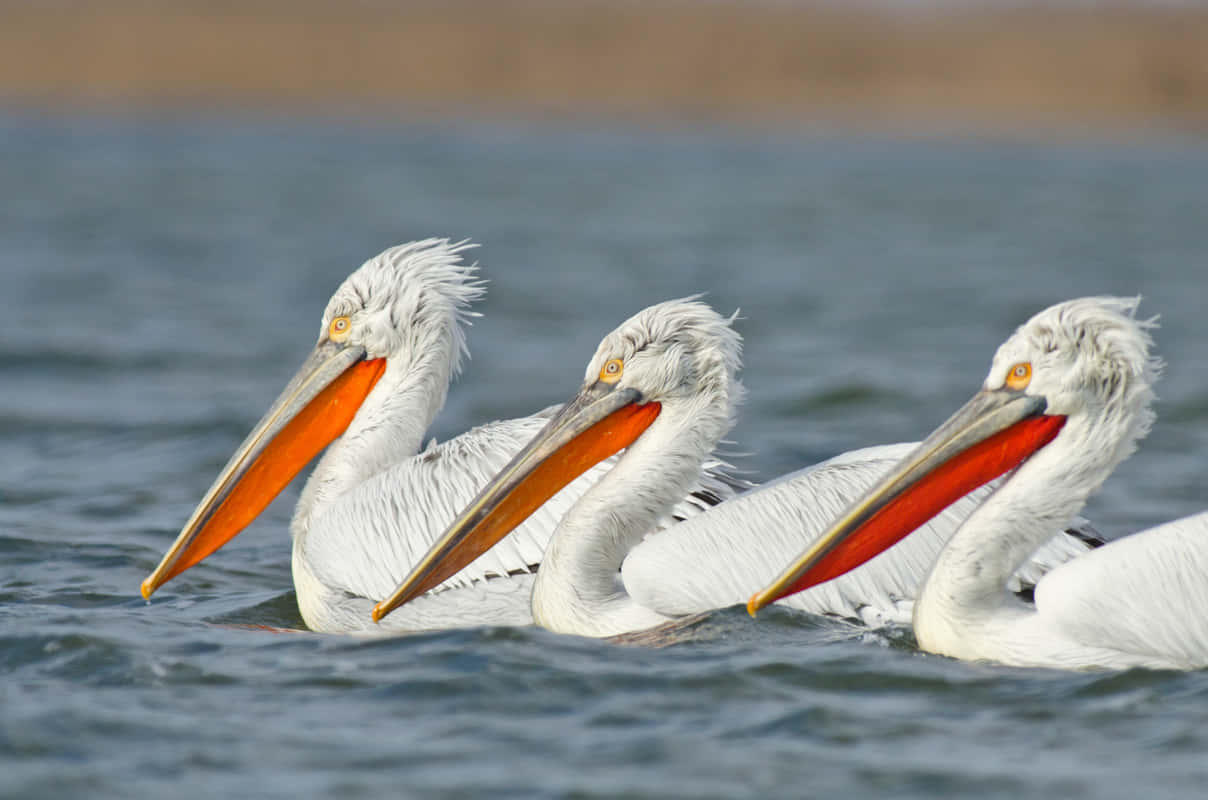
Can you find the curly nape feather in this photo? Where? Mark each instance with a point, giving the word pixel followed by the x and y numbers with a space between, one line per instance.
pixel 1105 360
pixel 688 347
pixel 417 289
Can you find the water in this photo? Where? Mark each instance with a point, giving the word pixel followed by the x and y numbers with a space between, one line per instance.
pixel 162 279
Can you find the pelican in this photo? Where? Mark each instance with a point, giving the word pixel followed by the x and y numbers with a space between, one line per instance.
pixel 1067 399
pixel 664 386
pixel 390 341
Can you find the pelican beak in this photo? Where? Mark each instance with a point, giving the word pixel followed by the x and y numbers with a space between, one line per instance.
pixel 601 420
pixel 990 435
pixel 315 407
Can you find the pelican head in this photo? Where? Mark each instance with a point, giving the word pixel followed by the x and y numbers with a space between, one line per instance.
pixel 405 300
pixel 678 351
pixel 1089 360
pixel 397 311
pixel 677 359
pixel 1079 374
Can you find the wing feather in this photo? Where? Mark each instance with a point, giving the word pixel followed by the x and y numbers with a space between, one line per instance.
pixel 1146 593
pixel 720 558
pixel 367 542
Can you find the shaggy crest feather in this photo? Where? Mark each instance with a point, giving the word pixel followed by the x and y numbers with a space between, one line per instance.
pixel 425 283
pixel 1090 354
pixel 680 346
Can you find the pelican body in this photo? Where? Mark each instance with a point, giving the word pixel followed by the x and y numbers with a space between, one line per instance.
pixel 390 341
pixel 664 387
pixel 1066 400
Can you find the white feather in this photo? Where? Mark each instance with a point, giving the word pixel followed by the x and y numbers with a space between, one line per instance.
pixel 374 502
pixel 1138 601
pixel 1145 594
pixel 685 357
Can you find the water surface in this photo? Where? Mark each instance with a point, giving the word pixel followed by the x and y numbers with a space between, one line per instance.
pixel 162 279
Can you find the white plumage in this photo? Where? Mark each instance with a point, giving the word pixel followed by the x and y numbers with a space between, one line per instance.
pixel 1138 601
pixel 719 558
pixel 375 501
pixel 1145 595
pixel 600 578
pixel 362 545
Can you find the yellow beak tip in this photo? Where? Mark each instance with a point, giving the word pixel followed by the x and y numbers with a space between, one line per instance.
pixel 753 605
pixel 147 589
pixel 378 613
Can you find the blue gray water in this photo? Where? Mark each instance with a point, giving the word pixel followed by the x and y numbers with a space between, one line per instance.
pixel 161 279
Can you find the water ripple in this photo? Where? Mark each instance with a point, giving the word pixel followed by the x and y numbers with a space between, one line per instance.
pixel 164 278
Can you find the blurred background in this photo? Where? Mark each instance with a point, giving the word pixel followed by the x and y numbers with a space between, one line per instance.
pixel 885 190
pixel 1034 67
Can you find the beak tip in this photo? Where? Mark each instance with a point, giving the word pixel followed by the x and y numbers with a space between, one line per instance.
pixel 378 613
pixel 753 605
pixel 147 588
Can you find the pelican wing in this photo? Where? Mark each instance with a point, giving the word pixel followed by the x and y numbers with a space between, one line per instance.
pixel 1146 594
pixel 370 538
pixel 720 558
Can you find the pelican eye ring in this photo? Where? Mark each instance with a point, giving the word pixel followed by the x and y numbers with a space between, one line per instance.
pixel 339 329
pixel 1019 376
pixel 611 371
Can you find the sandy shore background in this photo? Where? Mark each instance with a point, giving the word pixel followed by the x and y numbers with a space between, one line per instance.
pixel 1015 70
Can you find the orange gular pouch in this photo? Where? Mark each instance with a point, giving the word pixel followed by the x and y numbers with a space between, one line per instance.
pixel 319 423
pixel 931 494
pixel 608 436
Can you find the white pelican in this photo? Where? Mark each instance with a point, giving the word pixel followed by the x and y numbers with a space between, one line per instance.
pixel 664 385
pixel 390 341
pixel 1066 400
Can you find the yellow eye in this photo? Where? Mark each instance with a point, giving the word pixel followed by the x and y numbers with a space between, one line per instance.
pixel 1019 375
pixel 611 371
pixel 338 330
